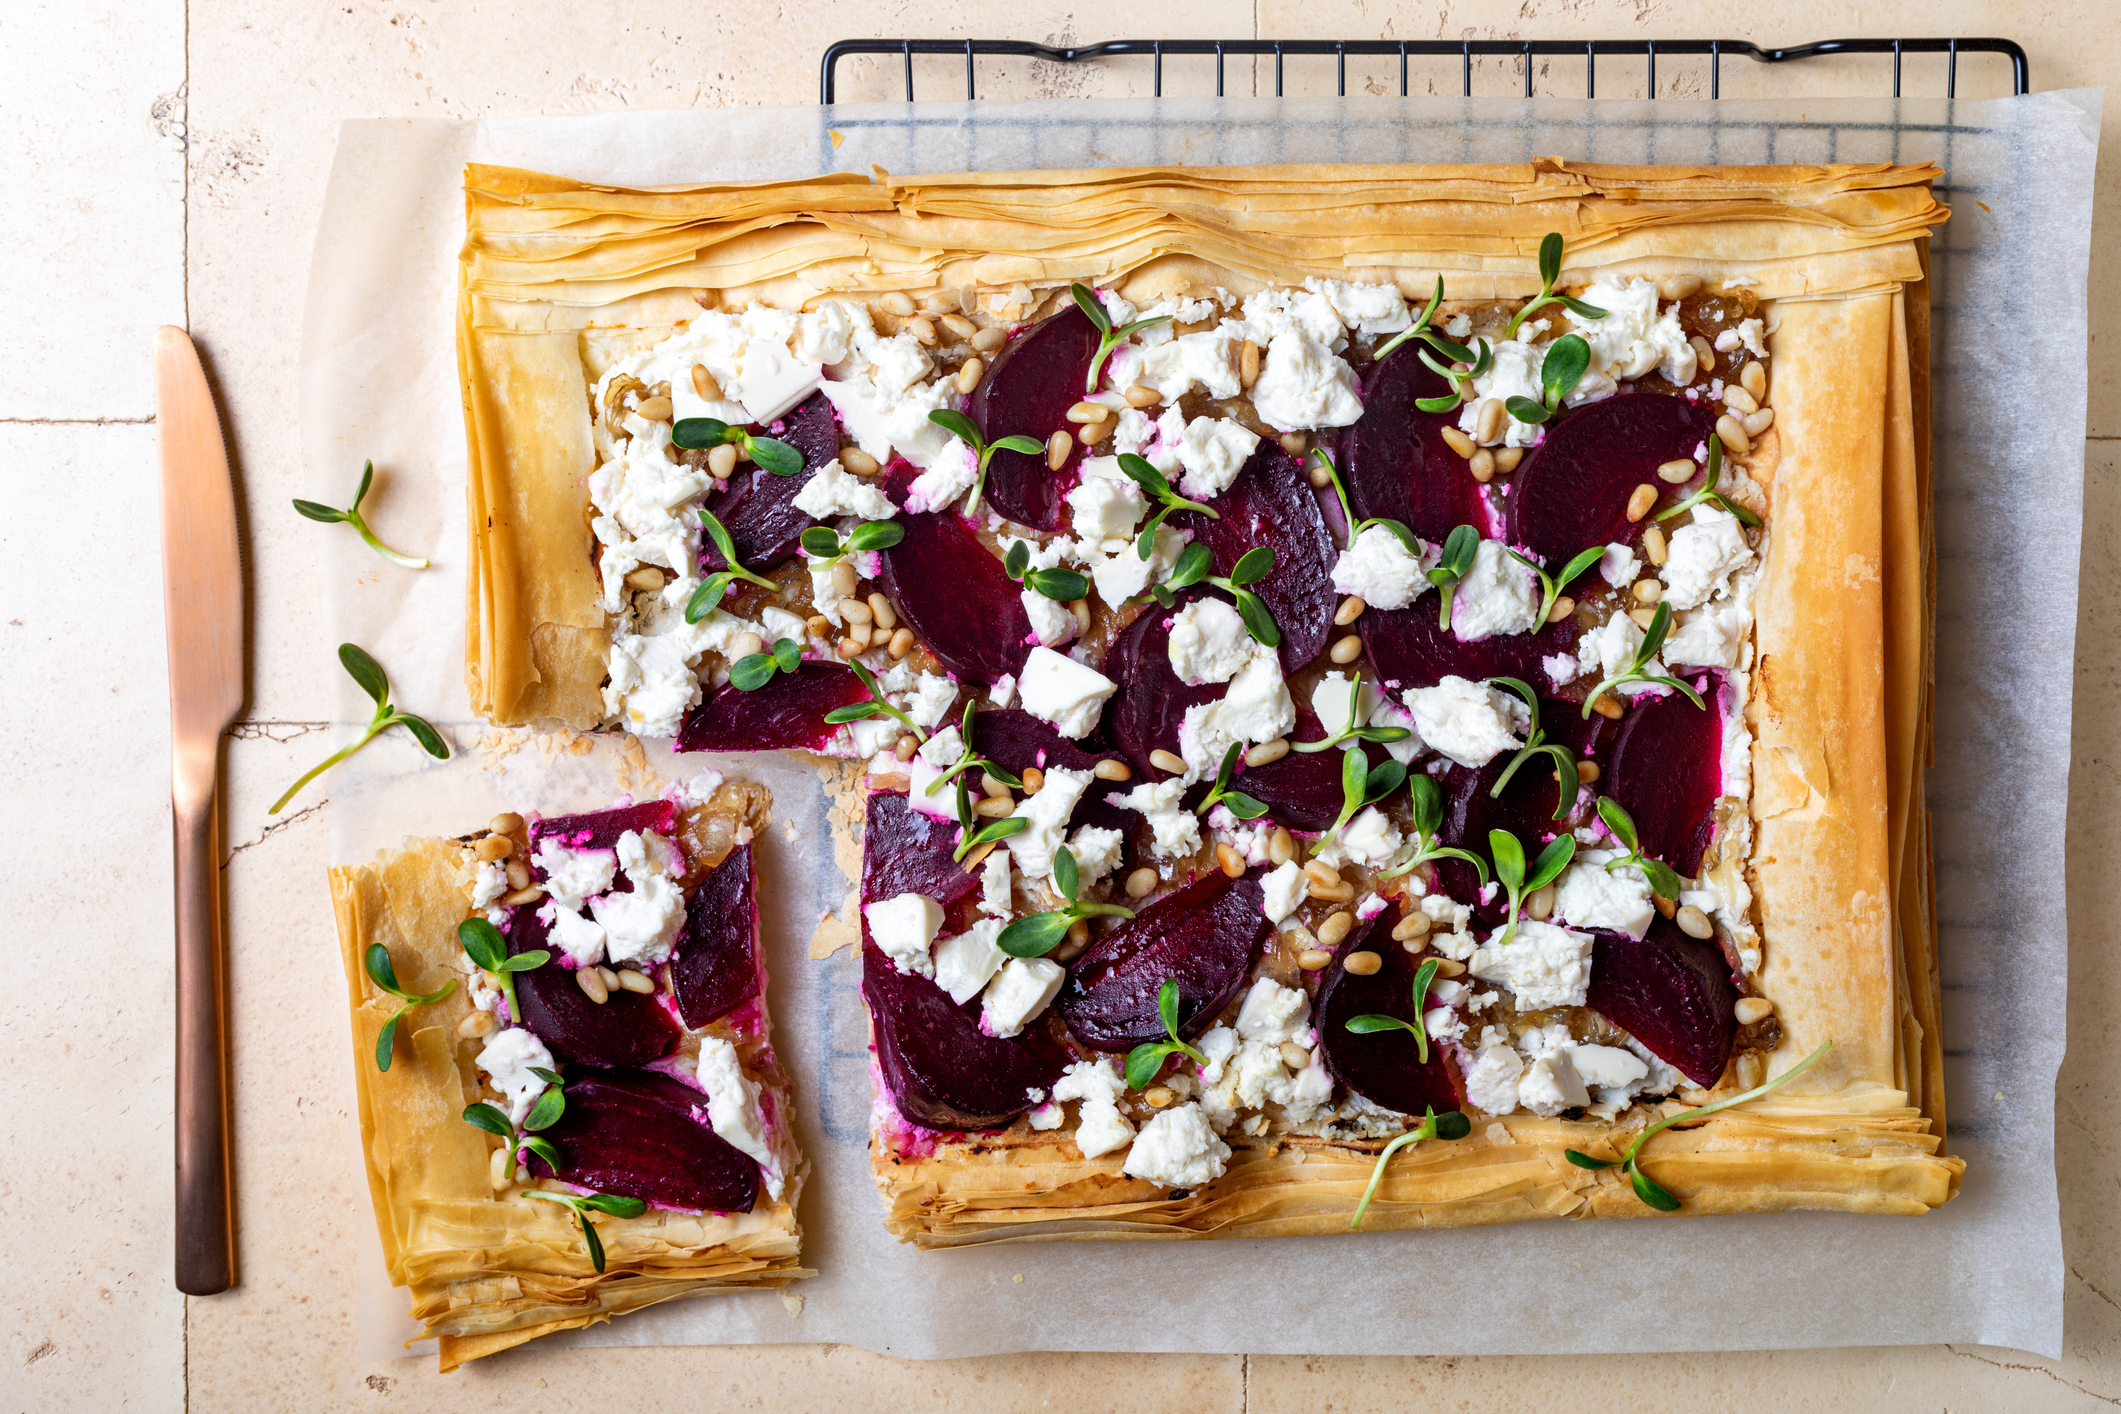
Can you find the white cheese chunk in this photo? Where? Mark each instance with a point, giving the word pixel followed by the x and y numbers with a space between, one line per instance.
pixel 1019 992
pixel 1703 556
pixel 1273 1013
pixel 1303 384
pixel 509 1057
pixel 1097 850
pixel 1713 636
pixel 571 876
pixel 1048 812
pixel 1123 574
pixel 1470 722
pixel 1332 703
pixel 1105 509
pixel 733 1108
pixel 1052 624
pixel 1257 707
pixel 1176 832
pixel 1619 566
pixel 1499 595
pixel 1213 450
pixel 1632 338
pixel 1513 372
pixel 642 926
pixel 965 962
pixel 1587 896
pixel 1370 838
pixel 1058 690
pixel 997 897
pixel 1208 643
pixel 833 492
pixel 1550 1085
pixel 1097 1085
pixel 1544 965
pixel 1178 1149
pixel 1379 569
pixel 949 476
pixel 904 927
pixel 1285 886
pixel 1491 1080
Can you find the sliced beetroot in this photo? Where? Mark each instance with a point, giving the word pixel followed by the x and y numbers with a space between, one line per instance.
pixel 906 852
pixel 1666 767
pixel 1271 503
pixel 1525 808
pixel 1671 992
pixel 1302 790
pixel 1384 1067
pixel 1016 741
pixel 1146 712
pixel 1205 937
pixel 628 1029
pixel 600 829
pixel 645 1135
pixel 942 1069
pixel 1027 392
pixel 953 593
pixel 1408 649
pixel 758 508
pixel 787 713
pixel 1394 460
pixel 716 969
pixel 1572 491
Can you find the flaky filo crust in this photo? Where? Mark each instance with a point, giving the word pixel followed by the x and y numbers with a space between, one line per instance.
pixel 487 1271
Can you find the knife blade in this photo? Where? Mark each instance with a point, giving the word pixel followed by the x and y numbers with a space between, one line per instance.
pixel 202 585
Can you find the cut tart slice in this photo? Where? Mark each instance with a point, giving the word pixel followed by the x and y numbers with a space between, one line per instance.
pixel 570 1105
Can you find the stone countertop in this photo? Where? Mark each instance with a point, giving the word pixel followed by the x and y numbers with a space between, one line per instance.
pixel 169 161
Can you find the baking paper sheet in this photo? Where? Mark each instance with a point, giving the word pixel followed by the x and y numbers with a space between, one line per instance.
pixel 379 380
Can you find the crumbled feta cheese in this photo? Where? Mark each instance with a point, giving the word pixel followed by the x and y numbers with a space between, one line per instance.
pixel 489 881
pixel 965 962
pixel 1257 707
pixel 1545 965
pixel 1619 566
pixel 642 926
pixel 1058 690
pixel 1099 1126
pixel 997 897
pixel 1379 570
pixel 1632 338
pixel 1277 310
pixel 1178 1149
pixel 948 477
pixel 1702 557
pixel 1713 636
pixel 1003 692
pixel 733 1108
pixel 1491 1080
pixel 1097 850
pixel 1499 595
pixel 1366 309
pixel 903 928
pixel 1208 358
pixel 509 1059
pixel 1285 887
pixel 1104 509
pixel 579 938
pixel 832 492
pixel 1048 813
pixel 1388 713
pixel 1124 574
pixel 1588 896
pixel 1019 992
pixel 1302 384
pixel 1550 1085
pixel 1512 373
pixel 1052 623
pixel 1370 837
pixel 1177 833
pixel 1610 1073
pixel 883 399
pixel 570 876
pixel 1208 643
pixel 1331 703
pixel 1273 1013
pixel 1470 722
pixel 1606 649
pixel 1213 450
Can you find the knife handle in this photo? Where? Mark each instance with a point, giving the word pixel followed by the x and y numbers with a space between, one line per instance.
pixel 206 1250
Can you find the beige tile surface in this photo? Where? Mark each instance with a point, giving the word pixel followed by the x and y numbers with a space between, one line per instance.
pixel 88 1318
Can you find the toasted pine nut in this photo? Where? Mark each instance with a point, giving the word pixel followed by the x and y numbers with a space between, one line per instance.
pixel 1704 353
pixel 1281 846
pixel 704 385
pixel 1751 1070
pixel 1349 611
pixel 905 748
pixel 896 302
pixel 1673 287
pixel 1034 780
pixel 721 462
pixel 1231 861
pixel 1163 760
pixel 1414 925
pixel 992 809
pixel 1507 458
pixel 501 1169
pixel 1642 617
pixel 1693 922
pixel 1158 1097
pixel 610 976
pixel 1445 967
pixel 968 375
pixel 1363 964
pixel 1664 905
pixel 1756 423
pixel 636 981
pixel 1295 1057
pixel 592 985
pixel 506 823
pixel 1300 937
pixel 972 861
pixel 901 644
pixel 1647 591
pixel 851 646
pixel 1110 769
pixel 1482 466
pixel 1267 752
pixel 1141 395
pixel 1318 476
pixel 1738 400
pixel 648 577
pixel 1058 446
pixel 959 326
pixel 529 894
pixel 1248 364
pixel 1460 443
pixel 1313 959
pixel 923 330
pixel 1677 472
pixel 857 462
pixel 993 788
pixel 1489 420
pixel 856 611
pixel 1334 893
pixel 1540 904
pixel 518 874
pixel 1752 1009
pixel 476 1024
pixel 744 645
pixel 1732 431
pixel 1081 609
pixel 1640 503
pixel 1086 412
pixel 1096 432
pixel 1141 883
pixel 988 340
pixel 1346 650
pixel 880 607
pixel 818 626
pixel 1753 377
pixel 1322 872
pixel 1563 607
pixel 844 579
pixel 494 847
pixel 1336 928
pixel 654 409
pixel 1606 707
pixel 1588 772
pixel 1078 937
pixel 1295 443
pixel 1653 545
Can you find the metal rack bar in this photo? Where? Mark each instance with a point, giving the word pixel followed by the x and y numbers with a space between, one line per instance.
pixel 1525 50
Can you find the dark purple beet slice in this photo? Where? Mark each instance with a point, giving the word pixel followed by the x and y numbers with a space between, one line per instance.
pixel 1408 649
pixel 758 510
pixel 1383 1067
pixel 906 852
pixel 716 969
pixel 1016 741
pixel 1670 992
pixel 1271 503
pixel 1205 936
pixel 1667 769
pixel 629 1029
pixel 953 593
pixel 788 713
pixel 1525 808
pixel 644 1135
pixel 600 829
pixel 1394 460
pixel 943 1071
pixel 1302 790
pixel 1572 491
pixel 1146 712
pixel 1027 392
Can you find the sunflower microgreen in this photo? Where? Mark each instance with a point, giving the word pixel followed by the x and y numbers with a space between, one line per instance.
pixel 714 586
pixel 1377 1021
pixel 1708 491
pixel 986 834
pixel 1145 1060
pixel 699 434
pixel 1426 798
pixel 1352 729
pixel 1108 338
pixel 1537 744
pixel 1064 585
pixel 754 670
pixel 385 977
pixel 1459 548
pixel 1648 1189
pixel 1158 489
pixel 1476 364
pixel 544 1112
pixel 961 427
pixel 1549 273
pixel 1037 934
pixel 1252 566
pixel 483 944
pixel 1551 585
pixel 1321 459
pixel 332 515
pixel 1567 359
pixel 370 675
pixel 1363 785
pixel 1509 868
pixel 1243 806
pixel 823 543
pixel 877 706
pixel 583 1205
pixel 1448 1125
pixel 1664 880
pixel 967 758
pixel 1636 668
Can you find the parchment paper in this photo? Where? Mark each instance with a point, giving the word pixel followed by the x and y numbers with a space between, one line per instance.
pixel 379 380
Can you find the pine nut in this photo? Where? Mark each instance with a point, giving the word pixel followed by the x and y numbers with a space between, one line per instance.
pixel 654 409
pixel 896 302
pixel 1248 364
pixel 1295 1057
pixel 1677 472
pixel 1141 883
pixel 1676 287
pixel 818 625
pixel 1704 353
pixel 1732 431
pixel 1349 611
pixel 1588 772
pixel 1319 477
pixel 1490 420
pixel 1346 650
pixel 592 985
pixel 506 823
pixel 857 462
pixel 1081 609
pixel 855 611
pixel 1639 504
pixel 1164 761
pixel 1563 607
pixel 1158 1097
pixel 852 647
pixel 844 579
pixel 1507 458
pixel 610 977
pixel 959 326
pixel 1738 400
pixel 880 607
pixel 721 462
pixel 1281 846
pixel 1058 446
pixel 1540 906
pixel 1642 617
pixel 1034 780
pixel 1087 412
pixel 1267 752
pixel 1313 959
pixel 494 847
pixel 901 644
pixel 500 1169
pixel 1414 925
pixel 1295 443
pixel 1653 545
pixel 1322 872
pixel 1482 466
pixel 1445 967
pixel 1078 938
pixel 518 874
pixel 905 748
pixel 1112 770
pixel 476 1024
pixel 923 331
pixel 968 375
pixel 1300 937
pixel 744 645
pixel 1336 893
pixel 988 340
pixel 1096 432
pixel 1647 591
pixel 972 861
pixel 1363 964
pixel 1664 905
pixel 992 809
pixel 1142 396
pixel 994 788
pixel 1693 922
pixel 1606 707
pixel 1751 1070
pixel 1758 422
pixel 1753 377
pixel 1233 863
pixel 648 577
pixel 704 386
pixel 1335 929
pixel 635 981
pixel 1460 443
pixel 529 894
pixel 1752 1009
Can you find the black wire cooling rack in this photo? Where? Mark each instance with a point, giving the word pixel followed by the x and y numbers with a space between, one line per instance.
pixel 1466 51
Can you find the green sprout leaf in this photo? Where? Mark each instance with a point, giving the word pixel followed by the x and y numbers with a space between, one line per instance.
pixel 1427 800
pixel 1664 881
pixel 489 1118
pixel 332 515
pixel 1550 271
pixel 1510 870
pixel 1147 1059
pixel 1158 491
pixel 1552 585
pixel 1636 669
pixel 1459 549
pixel 582 1205
pixel 1708 491
pixel 961 427
pixel 1108 338
pixel 488 951
pixel 365 671
pixel 1450 1125
pixel 703 433
pixel 1374 1022
pixel 711 589
pixel 385 976
pixel 1040 933
pixel 1537 744
pixel 1353 728
pixel 754 670
pixel 993 830
pixel 1222 793
pixel 878 705
pixel 1463 364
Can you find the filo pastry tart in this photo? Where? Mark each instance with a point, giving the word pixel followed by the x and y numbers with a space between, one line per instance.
pixel 1418 662
pixel 569 1101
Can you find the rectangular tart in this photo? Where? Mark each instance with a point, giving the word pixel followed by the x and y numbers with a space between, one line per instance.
pixel 629 1078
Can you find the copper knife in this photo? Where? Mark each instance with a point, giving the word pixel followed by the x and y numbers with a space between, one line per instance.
pixel 202 580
